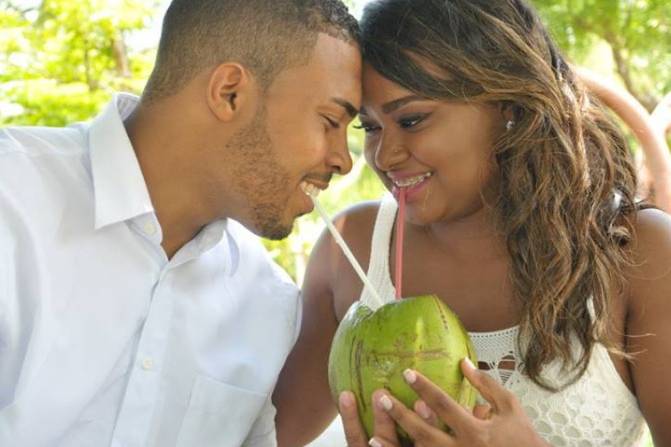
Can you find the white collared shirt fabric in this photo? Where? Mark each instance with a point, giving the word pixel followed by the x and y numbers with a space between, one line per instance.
pixel 103 340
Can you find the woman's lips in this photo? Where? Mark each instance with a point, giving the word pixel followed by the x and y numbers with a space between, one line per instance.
pixel 411 192
pixel 412 184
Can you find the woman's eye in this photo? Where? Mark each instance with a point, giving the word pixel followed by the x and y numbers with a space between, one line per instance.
pixel 411 121
pixel 368 128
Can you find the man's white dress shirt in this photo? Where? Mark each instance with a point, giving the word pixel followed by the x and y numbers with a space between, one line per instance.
pixel 103 340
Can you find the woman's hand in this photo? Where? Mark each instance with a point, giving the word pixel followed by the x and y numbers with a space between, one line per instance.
pixel 501 423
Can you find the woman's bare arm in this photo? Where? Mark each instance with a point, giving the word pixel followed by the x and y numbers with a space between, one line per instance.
pixel 649 321
pixel 302 396
pixel 304 403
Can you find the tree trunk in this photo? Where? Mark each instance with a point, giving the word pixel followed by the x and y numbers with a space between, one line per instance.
pixel 622 67
pixel 121 57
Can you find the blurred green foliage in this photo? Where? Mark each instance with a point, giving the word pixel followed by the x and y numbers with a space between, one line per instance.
pixel 634 34
pixel 61 59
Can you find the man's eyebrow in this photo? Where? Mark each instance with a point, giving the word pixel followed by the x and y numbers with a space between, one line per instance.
pixel 400 102
pixel 349 108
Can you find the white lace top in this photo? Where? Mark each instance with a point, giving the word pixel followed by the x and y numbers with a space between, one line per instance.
pixel 597 410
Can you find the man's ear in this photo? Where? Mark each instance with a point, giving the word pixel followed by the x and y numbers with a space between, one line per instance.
pixel 230 88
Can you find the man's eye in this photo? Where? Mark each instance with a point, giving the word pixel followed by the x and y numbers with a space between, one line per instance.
pixel 331 122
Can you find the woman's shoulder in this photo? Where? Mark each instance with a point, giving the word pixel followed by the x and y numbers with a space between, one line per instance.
pixel 649 276
pixel 651 241
pixel 328 265
pixel 355 224
pixel 357 218
pixel 648 282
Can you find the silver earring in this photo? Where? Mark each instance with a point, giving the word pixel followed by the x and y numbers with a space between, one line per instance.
pixel 510 124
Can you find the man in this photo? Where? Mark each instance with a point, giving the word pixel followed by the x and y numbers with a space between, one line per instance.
pixel 136 306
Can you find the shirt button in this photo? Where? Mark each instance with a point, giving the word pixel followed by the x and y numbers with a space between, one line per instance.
pixel 149 228
pixel 147 364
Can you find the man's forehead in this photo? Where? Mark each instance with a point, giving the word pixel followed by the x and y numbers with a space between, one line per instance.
pixel 332 77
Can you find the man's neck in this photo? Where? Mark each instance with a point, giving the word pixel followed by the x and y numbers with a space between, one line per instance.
pixel 163 154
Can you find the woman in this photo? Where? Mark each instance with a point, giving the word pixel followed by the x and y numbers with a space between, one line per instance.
pixel 520 216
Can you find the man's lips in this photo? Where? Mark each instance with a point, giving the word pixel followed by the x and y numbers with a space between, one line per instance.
pixel 312 189
pixel 315 183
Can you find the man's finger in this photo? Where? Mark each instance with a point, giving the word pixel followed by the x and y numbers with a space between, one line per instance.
pixel 494 393
pixel 354 432
pixel 447 409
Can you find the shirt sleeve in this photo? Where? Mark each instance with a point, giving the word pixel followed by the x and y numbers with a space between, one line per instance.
pixel 16 310
pixel 263 432
pixel 7 367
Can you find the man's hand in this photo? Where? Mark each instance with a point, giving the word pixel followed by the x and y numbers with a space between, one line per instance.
pixel 501 423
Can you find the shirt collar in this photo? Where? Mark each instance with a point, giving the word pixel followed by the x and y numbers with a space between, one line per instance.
pixel 119 186
pixel 120 190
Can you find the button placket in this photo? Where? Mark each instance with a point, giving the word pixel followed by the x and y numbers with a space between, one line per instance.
pixel 143 385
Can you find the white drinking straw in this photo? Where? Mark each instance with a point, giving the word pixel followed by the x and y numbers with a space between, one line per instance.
pixel 343 245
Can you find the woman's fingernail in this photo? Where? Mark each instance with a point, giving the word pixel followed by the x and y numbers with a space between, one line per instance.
pixel 423 409
pixel 468 363
pixel 410 376
pixel 374 443
pixel 385 402
pixel 345 399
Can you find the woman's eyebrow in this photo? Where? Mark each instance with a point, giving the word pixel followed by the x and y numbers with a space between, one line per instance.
pixel 395 104
pixel 400 102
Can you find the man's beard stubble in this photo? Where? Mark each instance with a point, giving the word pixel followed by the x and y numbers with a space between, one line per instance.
pixel 261 180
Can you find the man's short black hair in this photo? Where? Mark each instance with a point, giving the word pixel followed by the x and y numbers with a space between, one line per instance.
pixel 265 36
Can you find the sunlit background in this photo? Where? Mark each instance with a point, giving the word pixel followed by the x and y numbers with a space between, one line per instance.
pixel 61 60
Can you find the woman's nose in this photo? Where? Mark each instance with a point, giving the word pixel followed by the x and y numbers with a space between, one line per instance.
pixel 389 153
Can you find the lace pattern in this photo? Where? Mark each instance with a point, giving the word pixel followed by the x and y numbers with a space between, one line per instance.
pixel 497 353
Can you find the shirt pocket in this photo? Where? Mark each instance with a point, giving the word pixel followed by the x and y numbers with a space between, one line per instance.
pixel 219 414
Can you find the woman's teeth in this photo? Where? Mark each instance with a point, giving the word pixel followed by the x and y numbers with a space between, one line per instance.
pixel 310 189
pixel 411 181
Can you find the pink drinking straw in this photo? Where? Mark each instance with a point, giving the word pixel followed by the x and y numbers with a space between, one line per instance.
pixel 400 225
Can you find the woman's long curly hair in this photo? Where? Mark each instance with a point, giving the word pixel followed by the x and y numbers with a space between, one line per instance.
pixel 567 183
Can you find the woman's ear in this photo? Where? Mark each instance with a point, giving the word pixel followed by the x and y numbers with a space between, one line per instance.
pixel 510 114
pixel 230 88
pixel 507 110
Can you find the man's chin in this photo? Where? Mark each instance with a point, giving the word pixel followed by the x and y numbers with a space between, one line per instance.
pixel 275 232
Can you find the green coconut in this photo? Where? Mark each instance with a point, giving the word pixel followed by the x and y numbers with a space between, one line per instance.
pixel 371 349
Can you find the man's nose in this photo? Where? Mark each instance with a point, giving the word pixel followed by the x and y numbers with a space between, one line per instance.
pixel 339 159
